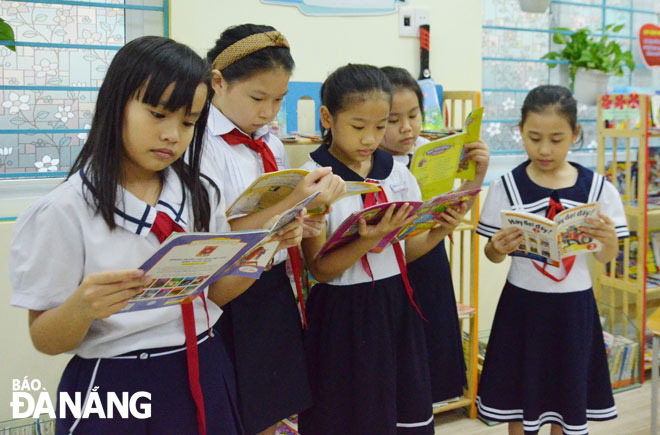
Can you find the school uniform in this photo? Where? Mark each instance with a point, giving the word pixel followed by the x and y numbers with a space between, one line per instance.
pixel 126 352
pixel 430 276
pixel 261 327
pixel 546 360
pixel 365 343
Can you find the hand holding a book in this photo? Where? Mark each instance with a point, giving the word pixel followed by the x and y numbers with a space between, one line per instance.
pixel 478 152
pixel 449 219
pixel 313 224
pixel 291 235
pixel 503 243
pixel 603 230
pixel 331 187
pixel 99 296
pixel 315 181
pixel 392 220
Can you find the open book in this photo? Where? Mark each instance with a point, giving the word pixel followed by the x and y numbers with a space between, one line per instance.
pixel 425 213
pixel 186 263
pixel 436 164
pixel 272 187
pixel 548 240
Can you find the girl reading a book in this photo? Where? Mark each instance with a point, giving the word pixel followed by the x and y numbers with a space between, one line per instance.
pixel 126 192
pixel 546 359
pixel 365 345
pixel 262 329
pixel 430 275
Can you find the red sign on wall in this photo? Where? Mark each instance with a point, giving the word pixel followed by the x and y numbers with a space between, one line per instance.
pixel 649 44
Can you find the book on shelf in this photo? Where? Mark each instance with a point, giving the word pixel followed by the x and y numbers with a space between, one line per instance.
pixel 436 164
pixel 187 263
pixel 272 187
pixel 433 119
pixel 425 218
pixel 549 241
pixel 615 172
pixel 622 357
pixel 632 267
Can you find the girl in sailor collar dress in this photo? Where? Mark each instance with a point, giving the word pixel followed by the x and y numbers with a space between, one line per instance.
pixel 365 344
pixel 262 328
pixel 546 361
pixel 127 190
pixel 430 274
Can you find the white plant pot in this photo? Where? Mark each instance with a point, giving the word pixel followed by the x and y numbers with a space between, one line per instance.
pixel 534 5
pixel 589 84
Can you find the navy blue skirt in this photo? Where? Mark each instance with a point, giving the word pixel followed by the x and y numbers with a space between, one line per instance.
pixel 546 362
pixel 430 276
pixel 263 335
pixel 367 361
pixel 165 377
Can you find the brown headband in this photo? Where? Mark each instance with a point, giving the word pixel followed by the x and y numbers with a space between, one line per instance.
pixel 248 45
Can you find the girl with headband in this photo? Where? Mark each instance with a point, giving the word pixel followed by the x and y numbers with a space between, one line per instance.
pixel 262 329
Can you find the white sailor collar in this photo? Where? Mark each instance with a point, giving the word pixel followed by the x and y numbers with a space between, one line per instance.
pixel 218 124
pixel 135 215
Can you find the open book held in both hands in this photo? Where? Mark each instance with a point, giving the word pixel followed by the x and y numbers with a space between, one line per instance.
pixel 425 213
pixel 549 241
pixel 436 164
pixel 272 187
pixel 186 263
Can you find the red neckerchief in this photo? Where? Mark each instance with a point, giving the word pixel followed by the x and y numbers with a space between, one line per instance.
pixel 162 227
pixel 236 137
pixel 369 200
pixel 554 208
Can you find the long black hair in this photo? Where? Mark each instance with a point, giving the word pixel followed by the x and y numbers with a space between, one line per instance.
pixel 143 69
pixel 261 60
pixel 347 84
pixel 401 79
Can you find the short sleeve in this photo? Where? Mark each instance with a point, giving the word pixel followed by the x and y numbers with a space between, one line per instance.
pixel 46 256
pixel 490 220
pixel 218 220
pixel 612 207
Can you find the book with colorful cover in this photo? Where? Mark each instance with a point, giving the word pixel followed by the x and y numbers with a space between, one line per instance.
pixel 429 211
pixel 436 164
pixel 186 263
pixel 433 120
pixel 348 229
pixel 272 187
pixel 549 241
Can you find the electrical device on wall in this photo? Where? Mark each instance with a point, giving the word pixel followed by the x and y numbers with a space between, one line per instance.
pixel 410 19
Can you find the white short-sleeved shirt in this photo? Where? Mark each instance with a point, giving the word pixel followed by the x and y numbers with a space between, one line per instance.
pixel 59 240
pixel 516 191
pixel 398 184
pixel 237 166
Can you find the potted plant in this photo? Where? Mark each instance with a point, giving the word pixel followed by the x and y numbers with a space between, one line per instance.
pixel 534 5
pixel 591 61
pixel 7 34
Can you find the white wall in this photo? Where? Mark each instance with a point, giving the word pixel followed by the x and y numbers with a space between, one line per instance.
pixel 321 44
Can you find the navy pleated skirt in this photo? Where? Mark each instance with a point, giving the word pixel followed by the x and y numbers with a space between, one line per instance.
pixel 165 378
pixel 430 276
pixel 263 335
pixel 367 360
pixel 546 362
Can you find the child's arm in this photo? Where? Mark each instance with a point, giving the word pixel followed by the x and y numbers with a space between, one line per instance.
pixel 419 245
pixel 100 295
pixel 230 287
pixel 603 230
pixel 479 152
pixel 503 243
pixel 334 263
pixel 320 179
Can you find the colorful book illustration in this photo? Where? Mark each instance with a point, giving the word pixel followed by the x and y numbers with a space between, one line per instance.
pixel 436 164
pixel 433 120
pixel 272 187
pixel 186 263
pixel 425 213
pixel 549 241
pixel 429 211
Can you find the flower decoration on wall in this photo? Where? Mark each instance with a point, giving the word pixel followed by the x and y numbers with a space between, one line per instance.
pixel 47 164
pixel 63 17
pixel 64 113
pixel 5 151
pixel 508 104
pixel 16 103
pixel 516 136
pixel 45 68
pixel 493 129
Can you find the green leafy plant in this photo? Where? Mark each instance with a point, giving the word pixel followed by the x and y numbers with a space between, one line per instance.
pixel 7 34
pixel 582 50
